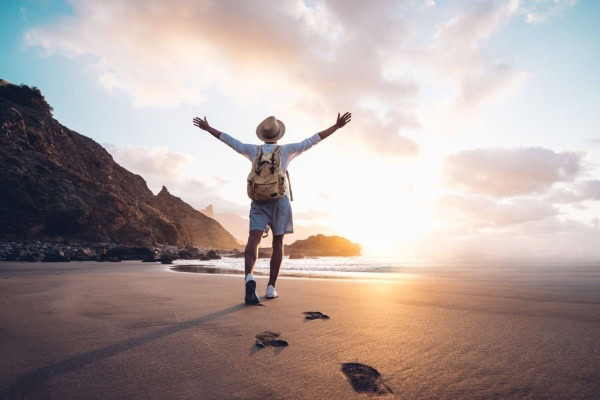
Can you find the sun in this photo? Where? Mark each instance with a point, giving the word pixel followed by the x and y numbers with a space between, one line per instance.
pixel 380 230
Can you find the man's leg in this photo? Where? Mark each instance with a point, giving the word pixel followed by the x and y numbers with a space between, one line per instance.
pixel 276 258
pixel 250 257
pixel 251 252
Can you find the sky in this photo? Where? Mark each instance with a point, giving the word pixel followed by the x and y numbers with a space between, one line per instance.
pixel 475 130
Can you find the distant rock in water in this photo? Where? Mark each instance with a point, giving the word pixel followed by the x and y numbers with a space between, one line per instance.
pixel 265 252
pixel 56 184
pixel 323 246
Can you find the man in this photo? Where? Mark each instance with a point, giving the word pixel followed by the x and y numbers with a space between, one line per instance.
pixel 274 213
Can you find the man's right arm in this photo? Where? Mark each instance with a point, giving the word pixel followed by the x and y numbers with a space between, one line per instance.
pixel 248 150
pixel 203 124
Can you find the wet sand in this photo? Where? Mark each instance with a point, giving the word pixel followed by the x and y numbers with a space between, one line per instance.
pixel 140 330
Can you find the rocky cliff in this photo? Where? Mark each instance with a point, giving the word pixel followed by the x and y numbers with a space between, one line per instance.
pixel 56 184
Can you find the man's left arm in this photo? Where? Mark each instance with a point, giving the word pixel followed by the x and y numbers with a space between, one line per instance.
pixel 339 123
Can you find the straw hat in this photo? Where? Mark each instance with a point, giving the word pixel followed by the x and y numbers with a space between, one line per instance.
pixel 270 130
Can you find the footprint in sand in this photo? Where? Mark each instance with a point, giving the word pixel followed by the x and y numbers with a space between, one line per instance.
pixel 270 339
pixel 365 379
pixel 315 315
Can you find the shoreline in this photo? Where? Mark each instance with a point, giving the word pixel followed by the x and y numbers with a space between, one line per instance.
pixel 216 270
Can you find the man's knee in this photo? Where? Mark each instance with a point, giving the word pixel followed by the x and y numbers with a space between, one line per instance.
pixel 278 241
pixel 253 241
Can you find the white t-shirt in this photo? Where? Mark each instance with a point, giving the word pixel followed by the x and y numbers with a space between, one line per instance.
pixel 287 153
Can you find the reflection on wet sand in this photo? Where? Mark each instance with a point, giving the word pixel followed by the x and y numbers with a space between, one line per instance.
pixel 211 269
pixel 206 269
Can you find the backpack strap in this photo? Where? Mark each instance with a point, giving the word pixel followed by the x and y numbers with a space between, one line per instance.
pixel 273 162
pixel 287 174
pixel 289 184
pixel 258 159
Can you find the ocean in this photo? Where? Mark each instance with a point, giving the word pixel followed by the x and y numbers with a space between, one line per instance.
pixel 579 279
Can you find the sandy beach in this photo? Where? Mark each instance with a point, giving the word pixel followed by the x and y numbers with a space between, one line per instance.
pixel 140 330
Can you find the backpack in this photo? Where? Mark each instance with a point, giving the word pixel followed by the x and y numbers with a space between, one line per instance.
pixel 266 181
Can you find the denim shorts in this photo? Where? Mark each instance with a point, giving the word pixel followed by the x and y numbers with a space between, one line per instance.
pixel 275 213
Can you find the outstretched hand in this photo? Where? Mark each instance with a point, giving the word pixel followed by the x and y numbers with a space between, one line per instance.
pixel 343 120
pixel 339 123
pixel 201 123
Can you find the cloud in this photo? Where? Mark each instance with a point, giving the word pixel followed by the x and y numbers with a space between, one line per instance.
pixel 588 190
pixel 167 54
pixel 305 57
pixel 327 54
pixel 517 171
pixel 150 162
pixel 312 214
pixel 458 51
pixel 548 240
pixel 384 137
pixel 509 202
pixel 538 11
pixel 482 211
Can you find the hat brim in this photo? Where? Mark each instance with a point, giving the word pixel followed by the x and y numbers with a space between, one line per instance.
pixel 261 136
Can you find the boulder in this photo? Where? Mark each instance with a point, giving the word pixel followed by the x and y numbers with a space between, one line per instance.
pixel 84 254
pixel 87 252
pixel 56 256
pixel 28 257
pixel 130 253
pixel 107 258
pixel 212 255
pixel 265 252
pixel 190 253
pixel 11 256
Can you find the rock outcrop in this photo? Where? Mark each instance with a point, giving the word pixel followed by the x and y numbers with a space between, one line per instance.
pixel 59 185
pixel 208 211
pixel 323 246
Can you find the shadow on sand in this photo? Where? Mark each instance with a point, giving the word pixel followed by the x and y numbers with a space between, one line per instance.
pixel 27 382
